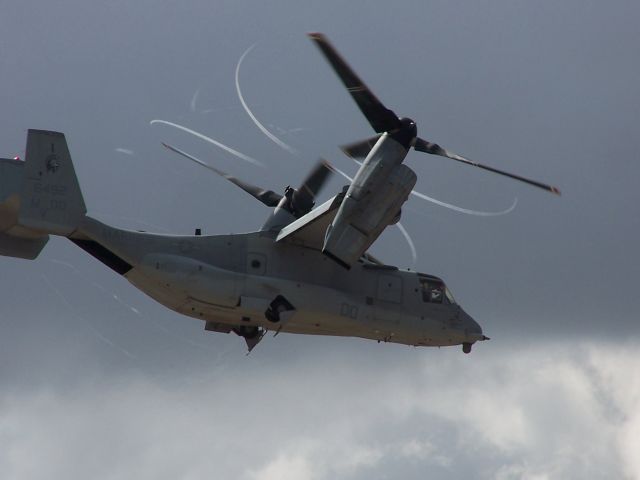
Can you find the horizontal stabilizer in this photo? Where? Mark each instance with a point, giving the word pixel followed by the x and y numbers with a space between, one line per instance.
pixel 18 247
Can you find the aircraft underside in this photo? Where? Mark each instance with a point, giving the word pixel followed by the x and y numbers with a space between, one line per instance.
pixel 264 303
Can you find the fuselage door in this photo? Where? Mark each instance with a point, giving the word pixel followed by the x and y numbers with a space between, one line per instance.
pixel 390 288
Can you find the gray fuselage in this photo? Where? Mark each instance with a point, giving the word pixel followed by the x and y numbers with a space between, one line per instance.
pixel 232 280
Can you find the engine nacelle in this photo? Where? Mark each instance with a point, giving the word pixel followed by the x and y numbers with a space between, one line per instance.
pixel 360 221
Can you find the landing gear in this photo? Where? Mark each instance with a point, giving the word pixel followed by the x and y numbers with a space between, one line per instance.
pixel 466 347
pixel 251 335
pixel 278 306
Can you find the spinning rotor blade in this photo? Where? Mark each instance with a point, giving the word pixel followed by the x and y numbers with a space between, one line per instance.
pixel 317 178
pixel 384 120
pixel 435 149
pixel 304 197
pixel 380 117
pixel 361 148
pixel 268 197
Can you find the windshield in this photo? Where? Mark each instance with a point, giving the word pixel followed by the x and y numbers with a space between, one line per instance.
pixel 449 296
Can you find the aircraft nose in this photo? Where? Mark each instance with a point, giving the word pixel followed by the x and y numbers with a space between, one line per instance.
pixel 473 326
pixel 472 332
pixel 473 329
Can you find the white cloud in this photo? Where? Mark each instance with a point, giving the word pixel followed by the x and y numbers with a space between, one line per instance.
pixel 126 151
pixel 285 468
pixel 536 413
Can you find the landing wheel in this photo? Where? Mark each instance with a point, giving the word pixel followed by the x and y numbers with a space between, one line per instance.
pixel 466 347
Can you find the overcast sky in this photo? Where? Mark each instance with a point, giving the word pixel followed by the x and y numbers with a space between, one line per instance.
pixel 98 381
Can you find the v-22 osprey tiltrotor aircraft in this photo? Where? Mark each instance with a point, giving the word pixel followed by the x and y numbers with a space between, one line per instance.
pixel 305 271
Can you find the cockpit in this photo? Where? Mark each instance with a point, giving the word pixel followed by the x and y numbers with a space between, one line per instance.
pixel 434 290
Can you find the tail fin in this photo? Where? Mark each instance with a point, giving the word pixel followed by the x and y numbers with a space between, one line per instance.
pixel 50 199
pixel 39 196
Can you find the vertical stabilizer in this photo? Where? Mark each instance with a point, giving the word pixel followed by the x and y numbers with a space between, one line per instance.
pixel 15 240
pixel 50 200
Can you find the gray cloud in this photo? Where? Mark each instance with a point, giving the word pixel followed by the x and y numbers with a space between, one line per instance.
pixel 538 412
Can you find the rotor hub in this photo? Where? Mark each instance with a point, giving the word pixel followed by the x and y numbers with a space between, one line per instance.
pixel 406 132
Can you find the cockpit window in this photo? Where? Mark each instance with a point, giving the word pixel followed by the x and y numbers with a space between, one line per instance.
pixel 434 291
pixel 449 296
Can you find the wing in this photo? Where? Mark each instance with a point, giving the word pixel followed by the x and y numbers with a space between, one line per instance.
pixel 309 230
